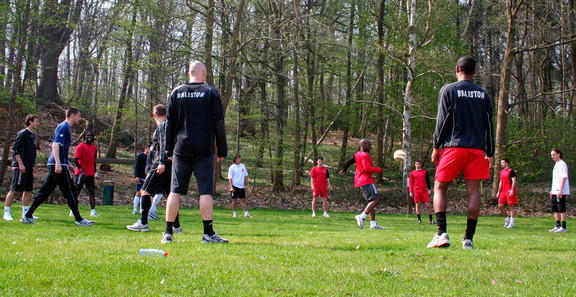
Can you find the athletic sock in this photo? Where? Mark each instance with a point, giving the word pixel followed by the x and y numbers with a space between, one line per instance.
pixel 25 209
pixel 430 217
pixel 136 202
pixel 7 209
pixel 419 217
pixel 246 213
pixel 441 222
pixel 557 223
pixel 169 227
pixel 363 216
pixel 373 223
pixel 145 209
pixel 564 224
pixel 512 220
pixel 156 200
pixel 208 228
pixel 177 221
pixel 470 229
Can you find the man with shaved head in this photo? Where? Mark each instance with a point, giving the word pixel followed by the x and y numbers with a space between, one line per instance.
pixel 364 180
pixel 195 120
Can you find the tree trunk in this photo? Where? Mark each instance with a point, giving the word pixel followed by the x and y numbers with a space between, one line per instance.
pixel 380 90
pixel 347 109
pixel 297 167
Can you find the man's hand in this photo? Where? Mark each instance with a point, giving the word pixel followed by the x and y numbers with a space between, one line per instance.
pixel 411 194
pixel 511 193
pixel 436 156
pixel 58 168
pixel 232 189
pixel 96 175
pixel 22 168
pixel 220 159
pixel 490 162
pixel 161 169
pixel 342 172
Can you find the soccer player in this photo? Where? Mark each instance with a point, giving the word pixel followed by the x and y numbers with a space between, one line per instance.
pixel 158 172
pixel 320 183
pixel 85 160
pixel 195 119
pixel 58 171
pixel 364 180
pixel 507 193
pixel 419 186
pixel 237 176
pixel 23 161
pixel 140 175
pixel 560 190
pixel 464 130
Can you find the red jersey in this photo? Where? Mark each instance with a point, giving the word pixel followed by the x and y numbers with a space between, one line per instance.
pixel 506 176
pixel 364 169
pixel 419 181
pixel 86 155
pixel 320 176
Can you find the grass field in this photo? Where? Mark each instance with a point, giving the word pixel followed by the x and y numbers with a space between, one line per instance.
pixel 282 253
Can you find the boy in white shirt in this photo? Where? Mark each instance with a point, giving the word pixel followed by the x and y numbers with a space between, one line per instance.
pixel 238 176
pixel 560 190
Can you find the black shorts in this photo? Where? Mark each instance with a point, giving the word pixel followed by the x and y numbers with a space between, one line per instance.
pixel 139 184
pixel 80 181
pixel 238 193
pixel 156 183
pixel 558 205
pixel 22 182
pixel 370 192
pixel 182 167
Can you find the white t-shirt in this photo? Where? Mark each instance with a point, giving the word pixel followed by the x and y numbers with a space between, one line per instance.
pixel 237 173
pixel 560 172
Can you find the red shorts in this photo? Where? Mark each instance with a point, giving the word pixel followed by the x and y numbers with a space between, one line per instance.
pixel 421 197
pixel 470 162
pixel 323 193
pixel 506 199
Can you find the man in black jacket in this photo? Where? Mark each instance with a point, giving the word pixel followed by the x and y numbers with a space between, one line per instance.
pixel 195 119
pixel 464 130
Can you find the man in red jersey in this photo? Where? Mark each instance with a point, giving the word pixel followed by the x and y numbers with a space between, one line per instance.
pixel 507 193
pixel 420 190
pixel 320 183
pixel 85 161
pixel 364 180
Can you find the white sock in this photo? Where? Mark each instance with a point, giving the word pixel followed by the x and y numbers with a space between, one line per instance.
pixel 155 202
pixel 363 215
pixel 136 202
pixel 93 211
pixel 246 213
pixel 235 213
pixel 512 220
pixel 7 209
pixel 25 209
pixel 373 223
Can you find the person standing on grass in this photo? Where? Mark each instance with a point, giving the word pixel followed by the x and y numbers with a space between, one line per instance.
pixel 23 161
pixel 507 193
pixel 320 183
pixel 158 172
pixel 419 186
pixel 58 171
pixel 195 120
pixel 560 190
pixel 237 177
pixel 140 175
pixel 364 180
pixel 464 130
pixel 86 173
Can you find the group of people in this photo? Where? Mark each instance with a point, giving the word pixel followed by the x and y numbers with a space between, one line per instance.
pixel 192 122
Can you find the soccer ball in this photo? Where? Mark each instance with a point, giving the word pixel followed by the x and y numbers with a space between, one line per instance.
pixel 400 155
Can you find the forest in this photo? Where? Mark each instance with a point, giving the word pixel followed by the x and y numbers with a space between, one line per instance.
pixel 295 74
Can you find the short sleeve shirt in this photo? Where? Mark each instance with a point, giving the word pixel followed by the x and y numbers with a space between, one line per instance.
pixel 86 155
pixel 63 137
pixel 320 176
pixel 560 172
pixel 237 173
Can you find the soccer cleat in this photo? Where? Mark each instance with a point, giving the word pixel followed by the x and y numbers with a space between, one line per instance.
pixel 153 215
pixel 506 222
pixel 26 220
pixel 166 238
pixel 177 230
pixel 313 214
pixel 377 227
pixel 510 226
pixel 439 241
pixel 8 216
pixel 213 239
pixel 555 229
pixel 467 244
pixel 419 221
pixel 326 215
pixel 432 222
pixel 138 226
pixel 561 230
pixel 247 215
pixel 94 215
pixel 84 222
pixel 360 221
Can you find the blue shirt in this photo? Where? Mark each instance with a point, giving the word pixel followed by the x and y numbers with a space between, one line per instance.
pixel 63 137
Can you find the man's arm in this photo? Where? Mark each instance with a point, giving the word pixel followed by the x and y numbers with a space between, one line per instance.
pixel 218 122
pixel 17 149
pixel 171 122
pixel 410 184
pixel 442 117
pixel 56 152
pixel 490 145
pixel 369 167
pixel 347 164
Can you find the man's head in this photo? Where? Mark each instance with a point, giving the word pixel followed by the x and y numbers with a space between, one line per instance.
pixel 89 137
pixel 556 154
pixel 319 161
pixel 504 163
pixel 159 112
pixel 32 121
pixel 418 164
pixel 466 67
pixel 197 72
pixel 73 115
pixel 365 145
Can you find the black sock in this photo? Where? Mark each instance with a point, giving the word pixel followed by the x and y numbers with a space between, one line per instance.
pixel 441 222
pixel 208 228
pixel 430 217
pixel 470 229
pixel 419 218
pixel 146 203
pixel 169 226
pixel 564 224
pixel 177 221
pixel 557 223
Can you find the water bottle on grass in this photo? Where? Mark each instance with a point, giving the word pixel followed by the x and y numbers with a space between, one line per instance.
pixel 152 253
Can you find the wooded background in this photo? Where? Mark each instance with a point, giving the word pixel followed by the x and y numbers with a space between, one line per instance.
pixel 295 73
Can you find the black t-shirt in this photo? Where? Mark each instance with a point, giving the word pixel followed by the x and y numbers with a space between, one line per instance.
pixel 25 146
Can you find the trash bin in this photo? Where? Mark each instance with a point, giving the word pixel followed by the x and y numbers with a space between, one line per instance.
pixel 108 193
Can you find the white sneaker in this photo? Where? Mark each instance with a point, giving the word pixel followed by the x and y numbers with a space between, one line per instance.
pixel 177 230
pixel 561 230
pixel 439 241
pixel 166 238
pixel 467 244
pixel 213 239
pixel 359 221
pixel 326 215
pixel 555 229
pixel 313 214
pixel 94 215
pixel 26 220
pixel 506 222
pixel 234 214
pixel 152 215
pixel 135 211
pixel 511 225
pixel 138 226
pixel 8 216
pixel 247 215
pixel 377 227
pixel 84 222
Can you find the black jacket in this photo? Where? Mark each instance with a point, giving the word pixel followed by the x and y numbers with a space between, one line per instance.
pixel 157 154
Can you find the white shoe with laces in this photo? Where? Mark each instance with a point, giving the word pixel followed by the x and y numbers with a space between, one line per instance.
pixel 506 222
pixel 561 230
pixel 8 216
pixel 554 229
pixel 138 226
pixel 439 241
pixel 84 222
pixel 326 215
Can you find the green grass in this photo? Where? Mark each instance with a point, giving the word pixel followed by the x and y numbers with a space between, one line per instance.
pixel 282 253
